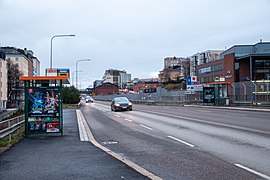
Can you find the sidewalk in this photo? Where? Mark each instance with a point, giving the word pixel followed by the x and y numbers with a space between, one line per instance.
pixel 62 158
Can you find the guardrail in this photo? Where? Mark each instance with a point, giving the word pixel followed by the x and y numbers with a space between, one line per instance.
pixel 7 127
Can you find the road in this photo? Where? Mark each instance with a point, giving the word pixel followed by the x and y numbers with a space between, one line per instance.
pixel 185 142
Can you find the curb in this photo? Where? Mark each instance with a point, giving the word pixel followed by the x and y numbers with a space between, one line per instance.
pixel 129 163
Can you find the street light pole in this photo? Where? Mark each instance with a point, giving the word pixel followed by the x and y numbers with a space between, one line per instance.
pixel 61 35
pixel 77 69
pixel 73 77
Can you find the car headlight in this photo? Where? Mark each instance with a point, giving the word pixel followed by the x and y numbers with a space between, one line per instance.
pixel 130 104
pixel 117 105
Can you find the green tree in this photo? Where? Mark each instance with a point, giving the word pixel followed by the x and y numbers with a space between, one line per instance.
pixel 71 95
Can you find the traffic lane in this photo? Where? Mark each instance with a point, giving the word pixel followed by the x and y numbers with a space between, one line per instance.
pixel 154 151
pixel 252 121
pixel 61 158
pixel 231 145
pixel 239 146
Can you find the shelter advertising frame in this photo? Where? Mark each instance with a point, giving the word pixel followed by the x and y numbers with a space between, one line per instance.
pixel 43 105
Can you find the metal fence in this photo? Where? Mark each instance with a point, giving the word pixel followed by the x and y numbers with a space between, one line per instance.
pixel 242 93
pixel 7 127
pixel 253 93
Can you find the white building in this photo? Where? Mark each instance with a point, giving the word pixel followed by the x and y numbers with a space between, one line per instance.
pixel 116 77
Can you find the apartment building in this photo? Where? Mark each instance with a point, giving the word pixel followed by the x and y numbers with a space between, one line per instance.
pixel 27 65
pixel 175 68
pixel 203 58
pixel 24 59
pixel 3 80
pixel 116 77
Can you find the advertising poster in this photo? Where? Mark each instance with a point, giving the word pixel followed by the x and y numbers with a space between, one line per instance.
pixel 43 102
pixel 43 109
pixel 208 94
pixel 53 127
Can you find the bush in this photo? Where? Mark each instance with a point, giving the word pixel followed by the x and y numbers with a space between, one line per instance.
pixel 71 95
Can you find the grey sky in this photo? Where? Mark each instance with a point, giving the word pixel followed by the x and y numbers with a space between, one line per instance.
pixel 134 35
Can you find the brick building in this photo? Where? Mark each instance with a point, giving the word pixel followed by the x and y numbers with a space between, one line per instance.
pixel 105 89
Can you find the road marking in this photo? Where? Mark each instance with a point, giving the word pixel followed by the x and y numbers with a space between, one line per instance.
pixel 131 164
pixel 176 139
pixel 82 130
pixel 146 127
pixel 128 120
pixel 252 171
pixel 116 115
pixel 208 122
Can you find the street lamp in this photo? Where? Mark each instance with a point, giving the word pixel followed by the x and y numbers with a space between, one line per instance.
pixel 77 69
pixel 61 35
pixel 73 77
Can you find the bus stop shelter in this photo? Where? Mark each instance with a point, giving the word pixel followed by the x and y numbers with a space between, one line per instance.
pixel 43 104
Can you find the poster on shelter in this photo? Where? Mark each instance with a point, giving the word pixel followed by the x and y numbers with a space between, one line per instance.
pixel 208 94
pixel 53 127
pixel 43 102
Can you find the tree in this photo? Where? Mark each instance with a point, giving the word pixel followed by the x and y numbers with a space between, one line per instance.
pixel 71 95
pixel 14 89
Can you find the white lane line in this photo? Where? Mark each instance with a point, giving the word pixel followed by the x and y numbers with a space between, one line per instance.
pixel 82 131
pixel 128 120
pixel 131 164
pixel 176 139
pixel 252 171
pixel 116 115
pixel 146 127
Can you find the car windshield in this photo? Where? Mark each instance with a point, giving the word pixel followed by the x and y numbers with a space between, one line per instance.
pixel 121 100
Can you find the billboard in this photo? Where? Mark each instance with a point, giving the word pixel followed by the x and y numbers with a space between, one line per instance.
pixel 58 72
pixel 51 72
pixel 43 109
pixel 208 94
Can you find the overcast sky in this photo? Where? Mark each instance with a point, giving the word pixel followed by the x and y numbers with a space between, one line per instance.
pixel 131 35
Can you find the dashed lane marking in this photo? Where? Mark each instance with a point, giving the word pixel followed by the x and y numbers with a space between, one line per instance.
pixel 252 171
pixel 131 164
pixel 146 127
pixel 128 120
pixel 181 141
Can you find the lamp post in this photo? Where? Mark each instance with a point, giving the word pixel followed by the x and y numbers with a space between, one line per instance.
pixel 77 69
pixel 73 77
pixel 60 35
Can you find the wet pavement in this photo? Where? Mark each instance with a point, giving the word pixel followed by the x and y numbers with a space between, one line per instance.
pixel 66 157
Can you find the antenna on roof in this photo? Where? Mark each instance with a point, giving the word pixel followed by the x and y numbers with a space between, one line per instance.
pixel 225 47
pixel 260 40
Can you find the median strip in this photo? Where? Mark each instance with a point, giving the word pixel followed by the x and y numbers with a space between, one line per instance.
pixel 176 139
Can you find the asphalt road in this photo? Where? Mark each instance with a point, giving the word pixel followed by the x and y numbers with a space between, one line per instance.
pixel 185 142
pixel 43 157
